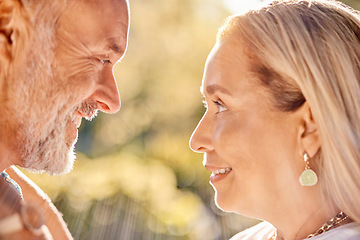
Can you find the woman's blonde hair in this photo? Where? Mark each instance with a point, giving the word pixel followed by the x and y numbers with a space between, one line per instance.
pixel 304 50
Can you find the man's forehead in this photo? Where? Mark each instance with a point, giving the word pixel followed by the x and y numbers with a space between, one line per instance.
pixel 118 6
pixel 111 3
pixel 96 21
pixel 116 9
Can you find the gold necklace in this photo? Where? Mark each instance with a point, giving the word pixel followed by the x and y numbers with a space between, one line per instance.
pixel 340 217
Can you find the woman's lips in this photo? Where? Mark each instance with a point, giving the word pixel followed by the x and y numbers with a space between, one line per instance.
pixel 218 173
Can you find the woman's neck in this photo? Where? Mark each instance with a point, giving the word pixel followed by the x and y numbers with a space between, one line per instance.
pixel 310 224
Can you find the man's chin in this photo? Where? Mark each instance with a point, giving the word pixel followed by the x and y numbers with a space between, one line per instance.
pixel 52 162
pixel 52 152
pixel 64 166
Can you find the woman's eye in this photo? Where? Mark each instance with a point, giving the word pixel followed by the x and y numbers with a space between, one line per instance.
pixel 220 107
pixel 105 61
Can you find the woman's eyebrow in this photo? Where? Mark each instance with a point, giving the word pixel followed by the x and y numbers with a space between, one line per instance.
pixel 211 89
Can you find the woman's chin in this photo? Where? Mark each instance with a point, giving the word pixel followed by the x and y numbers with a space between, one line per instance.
pixel 224 204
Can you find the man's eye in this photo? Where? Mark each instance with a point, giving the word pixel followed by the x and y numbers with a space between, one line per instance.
pixel 105 61
pixel 220 107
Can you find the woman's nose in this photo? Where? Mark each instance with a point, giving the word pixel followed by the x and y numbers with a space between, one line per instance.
pixel 201 140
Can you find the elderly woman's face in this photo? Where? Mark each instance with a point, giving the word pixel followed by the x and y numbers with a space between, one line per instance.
pixel 248 144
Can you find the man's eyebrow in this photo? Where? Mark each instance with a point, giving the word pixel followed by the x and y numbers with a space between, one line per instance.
pixel 211 89
pixel 112 45
pixel 115 48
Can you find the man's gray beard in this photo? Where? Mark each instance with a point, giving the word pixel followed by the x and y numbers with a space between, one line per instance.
pixel 44 136
pixel 42 132
pixel 49 152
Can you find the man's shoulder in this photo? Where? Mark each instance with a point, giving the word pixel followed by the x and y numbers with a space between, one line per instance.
pixel 26 184
pixel 9 198
pixel 260 231
pixel 15 213
pixel 32 193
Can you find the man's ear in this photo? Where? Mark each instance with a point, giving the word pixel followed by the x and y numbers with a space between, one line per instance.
pixel 308 135
pixel 9 9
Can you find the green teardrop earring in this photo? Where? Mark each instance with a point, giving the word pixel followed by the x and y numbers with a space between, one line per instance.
pixel 308 177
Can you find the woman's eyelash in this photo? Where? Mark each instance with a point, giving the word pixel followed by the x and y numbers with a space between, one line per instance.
pixel 220 106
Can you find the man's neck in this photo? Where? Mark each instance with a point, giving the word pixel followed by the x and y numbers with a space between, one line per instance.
pixel 8 157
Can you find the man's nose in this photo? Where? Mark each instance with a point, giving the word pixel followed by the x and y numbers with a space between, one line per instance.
pixel 201 140
pixel 107 95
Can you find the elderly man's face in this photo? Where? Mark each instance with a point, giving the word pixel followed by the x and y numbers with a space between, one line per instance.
pixel 67 78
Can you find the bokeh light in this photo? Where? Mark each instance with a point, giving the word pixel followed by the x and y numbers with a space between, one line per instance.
pixel 242 6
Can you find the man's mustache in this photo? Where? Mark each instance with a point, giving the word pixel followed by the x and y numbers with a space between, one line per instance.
pixel 88 109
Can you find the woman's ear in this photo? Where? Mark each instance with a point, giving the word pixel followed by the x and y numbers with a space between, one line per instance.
pixel 308 135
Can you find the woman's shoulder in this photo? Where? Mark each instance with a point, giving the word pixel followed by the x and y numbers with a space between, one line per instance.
pixel 350 231
pixel 261 231
pixel 264 230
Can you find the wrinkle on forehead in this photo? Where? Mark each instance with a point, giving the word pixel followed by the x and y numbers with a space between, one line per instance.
pixel 111 22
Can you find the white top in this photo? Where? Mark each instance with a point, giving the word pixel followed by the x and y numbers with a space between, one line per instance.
pixel 264 230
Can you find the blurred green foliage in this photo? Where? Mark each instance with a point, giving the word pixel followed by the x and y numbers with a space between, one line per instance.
pixel 135 176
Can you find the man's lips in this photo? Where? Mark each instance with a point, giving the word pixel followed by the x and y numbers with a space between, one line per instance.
pixel 77 121
pixel 71 133
pixel 72 127
pixel 77 117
